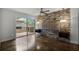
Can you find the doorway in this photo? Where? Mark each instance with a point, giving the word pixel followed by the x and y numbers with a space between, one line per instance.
pixel 25 33
pixel 24 26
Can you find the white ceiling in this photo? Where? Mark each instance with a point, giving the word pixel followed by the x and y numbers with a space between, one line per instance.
pixel 33 11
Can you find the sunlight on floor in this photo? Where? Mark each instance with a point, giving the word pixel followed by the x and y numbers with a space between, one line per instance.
pixel 25 43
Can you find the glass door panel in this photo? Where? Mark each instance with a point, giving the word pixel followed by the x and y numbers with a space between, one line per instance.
pixel 31 26
pixel 25 33
pixel 20 27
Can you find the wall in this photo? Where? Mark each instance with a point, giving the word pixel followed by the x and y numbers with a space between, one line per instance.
pixel 0 23
pixel 0 27
pixel 8 24
pixel 51 22
pixel 74 25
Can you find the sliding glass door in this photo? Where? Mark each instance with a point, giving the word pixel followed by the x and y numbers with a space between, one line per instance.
pixel 24 26
pixel 25 33
pixel 20 27
pixel 30 26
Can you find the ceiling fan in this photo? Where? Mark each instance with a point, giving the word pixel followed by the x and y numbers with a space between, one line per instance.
pixel 44 12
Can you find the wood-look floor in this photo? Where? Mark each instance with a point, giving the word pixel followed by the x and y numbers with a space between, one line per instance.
pixel 42 44
pixel 19 44
pixel 52 44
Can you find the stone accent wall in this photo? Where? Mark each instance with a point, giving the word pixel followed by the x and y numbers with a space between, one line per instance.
pixel 52 21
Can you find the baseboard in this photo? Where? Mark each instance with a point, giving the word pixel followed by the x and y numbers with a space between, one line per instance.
pixel 2 42
pixel 73 42
pixel 7 39
pixel 6 44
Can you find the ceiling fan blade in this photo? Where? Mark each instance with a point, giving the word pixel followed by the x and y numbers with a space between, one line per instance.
pixel 46 11
pixel 41 11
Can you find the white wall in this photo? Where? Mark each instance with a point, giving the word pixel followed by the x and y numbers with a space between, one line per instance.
pixel 8 24
pixel 0 23
pixel 74 25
